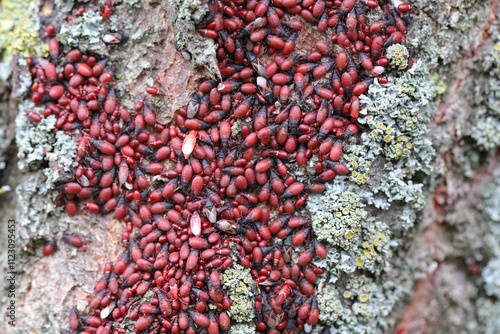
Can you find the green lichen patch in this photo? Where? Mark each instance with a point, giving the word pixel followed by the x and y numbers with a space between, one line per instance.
pixel 397 114
pixel 18 29
pixel 361 292
pixel 360 305
pixel 396 188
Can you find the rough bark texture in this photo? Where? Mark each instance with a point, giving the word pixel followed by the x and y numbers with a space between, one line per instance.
pixel 445 266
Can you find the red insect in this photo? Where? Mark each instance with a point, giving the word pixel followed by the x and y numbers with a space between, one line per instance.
pixel 106 9
pixel 81 151
pixel 201 188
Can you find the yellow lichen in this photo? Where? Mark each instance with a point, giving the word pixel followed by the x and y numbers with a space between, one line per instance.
pixel 18 33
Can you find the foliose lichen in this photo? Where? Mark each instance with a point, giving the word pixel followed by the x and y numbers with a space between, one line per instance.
pixel 34 140
pixel 358 269
pixel 335 264
pixel 376 246
pixel 361 292
pixel 242 328
pixel 485 128
pixel 61 158
pixel 84 28
pixel 398 55
pixel 18 29
pixel 372 301
pixel 38 145
pixel 190 9
pixel 330 307
pixel 338 215
pixel 358 161
pixel 241 289
pixel 397 114
pixel 489 305
pixel 360 305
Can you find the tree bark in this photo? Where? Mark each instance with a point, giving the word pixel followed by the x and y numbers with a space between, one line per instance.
pixel 444 272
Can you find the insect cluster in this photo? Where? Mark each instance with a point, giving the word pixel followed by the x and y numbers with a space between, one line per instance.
pixel 201 191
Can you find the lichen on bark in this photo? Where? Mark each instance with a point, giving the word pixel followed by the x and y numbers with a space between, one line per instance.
pixel 446 259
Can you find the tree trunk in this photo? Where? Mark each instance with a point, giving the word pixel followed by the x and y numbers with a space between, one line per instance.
pixel 439 205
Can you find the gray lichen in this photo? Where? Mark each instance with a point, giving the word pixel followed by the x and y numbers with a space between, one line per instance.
pixel 338 216
pixel 447 30
pixel 351 217
pixel 396 188
pixel 84 28
pixel 242 290
pixel 376 247
pixel 489 305
pixel 358 160
pixel 397 115
pixel 34 140
pixel 39 146
pixel 202 50
pixel 188 10
pixel 485 128
pixel 242 328
pixel 38 207
pixel 329 305
pixel 361 305
pixel 398 55
pixel 61 158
